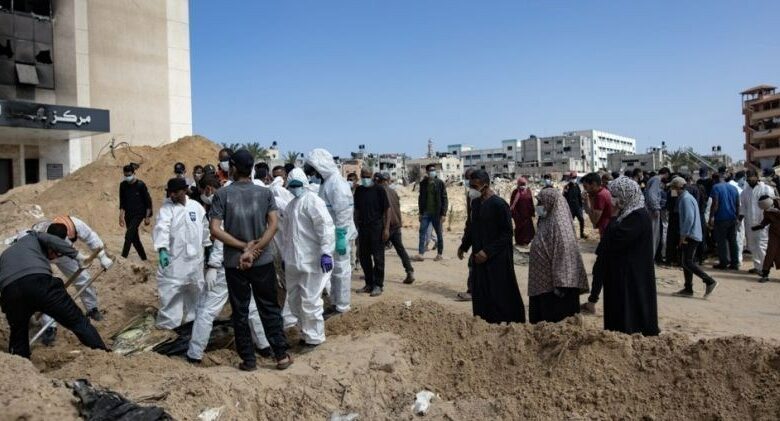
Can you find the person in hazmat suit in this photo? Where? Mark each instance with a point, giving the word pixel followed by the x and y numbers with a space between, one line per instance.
pixel 309 241
pixel 180 235
pixel 72 229
pixel 337 194
pixel 214 295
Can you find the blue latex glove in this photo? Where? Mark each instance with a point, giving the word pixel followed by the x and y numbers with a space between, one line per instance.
pixel 165 259
pixel 341 241
pixel 326 263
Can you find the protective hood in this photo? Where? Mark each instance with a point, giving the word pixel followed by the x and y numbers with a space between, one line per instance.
pixel 297 174
pixel 322 161
pixel 278 182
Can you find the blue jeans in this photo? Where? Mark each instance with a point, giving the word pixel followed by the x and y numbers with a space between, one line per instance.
pixel 726 240
pixel 425 221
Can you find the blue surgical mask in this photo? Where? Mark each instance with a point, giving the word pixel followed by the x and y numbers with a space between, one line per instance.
pixel 547 182
pixel 366 182
pixel 432 174
pixel 314 180
pixel 541 212
pixel 297 191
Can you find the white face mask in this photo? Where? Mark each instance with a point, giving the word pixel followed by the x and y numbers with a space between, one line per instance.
pixel 129 178
pixel 224 165
pixel 547 182
pixel 366 182
pixel 541 212
pixel 432 174
pixel 314 180
pixel 206 199
pixel 474 193
pixel 297 191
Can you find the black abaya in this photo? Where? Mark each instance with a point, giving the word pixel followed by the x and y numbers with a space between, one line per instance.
pixel 549 307
pixel 495 296
pixel 625 262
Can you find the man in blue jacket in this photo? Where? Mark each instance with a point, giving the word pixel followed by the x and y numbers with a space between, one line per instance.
pixel 690 237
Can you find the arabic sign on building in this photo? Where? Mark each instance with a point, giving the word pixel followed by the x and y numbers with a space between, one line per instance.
pixel 55 117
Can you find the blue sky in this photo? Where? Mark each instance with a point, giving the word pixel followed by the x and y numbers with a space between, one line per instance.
pixel 391 74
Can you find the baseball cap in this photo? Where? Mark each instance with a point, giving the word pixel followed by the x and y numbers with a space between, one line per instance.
pixel 242 160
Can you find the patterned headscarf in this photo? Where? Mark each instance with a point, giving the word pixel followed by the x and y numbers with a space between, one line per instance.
pixel 555 258
pixel 628 193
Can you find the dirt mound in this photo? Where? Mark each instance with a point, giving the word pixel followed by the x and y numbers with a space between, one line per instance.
pixel 92 192
pixel 26 394
pixel 378 357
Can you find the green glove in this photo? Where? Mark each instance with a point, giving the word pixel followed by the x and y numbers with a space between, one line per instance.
pixel 165 259
pixel 341 241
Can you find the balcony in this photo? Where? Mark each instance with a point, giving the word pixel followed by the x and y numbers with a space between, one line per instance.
pixel 766 153
pixel 761 115
pixel 766 134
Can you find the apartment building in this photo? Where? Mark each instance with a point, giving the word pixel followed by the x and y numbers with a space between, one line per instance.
pixel 761 109
pixel 652 160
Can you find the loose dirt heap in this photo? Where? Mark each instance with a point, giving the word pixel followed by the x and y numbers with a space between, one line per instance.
pixel 26 394
pixel 92 192
pixel 377 358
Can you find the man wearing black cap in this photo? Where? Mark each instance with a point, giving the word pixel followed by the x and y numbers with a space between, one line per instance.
pixel 135 206
pixel 249 215
pixel 180 235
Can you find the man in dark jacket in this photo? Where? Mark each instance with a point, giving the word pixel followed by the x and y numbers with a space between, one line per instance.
pixel 27 287
pixel 573 197
pixel 135 206
pixel 433 208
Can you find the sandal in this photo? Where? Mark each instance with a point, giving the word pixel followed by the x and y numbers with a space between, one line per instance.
pixel 284 362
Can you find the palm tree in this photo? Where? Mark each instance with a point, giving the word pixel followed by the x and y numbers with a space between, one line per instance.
pixel 232 146
pixel 291 157
pixel 258 152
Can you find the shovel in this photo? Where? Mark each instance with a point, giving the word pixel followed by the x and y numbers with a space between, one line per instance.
pixel 72 278
pixel 82 289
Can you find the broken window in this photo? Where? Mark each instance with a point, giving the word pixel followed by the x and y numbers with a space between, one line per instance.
pixel 35 7
pixel 6 49
pixel 26 74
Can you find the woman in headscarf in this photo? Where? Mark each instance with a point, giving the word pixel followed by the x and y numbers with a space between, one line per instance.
pixel 556 273
pixel 522 209
pixel 625 262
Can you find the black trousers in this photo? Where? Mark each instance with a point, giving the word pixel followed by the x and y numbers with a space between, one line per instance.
pixel 690 268
pixel 598 283
pixel 260 282
pixel 43 293
pixel 577 213
pixel 132 222
pixel 372 254
pixel 395 240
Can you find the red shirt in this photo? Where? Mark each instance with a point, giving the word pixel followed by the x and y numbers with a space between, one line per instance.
pixel 603 202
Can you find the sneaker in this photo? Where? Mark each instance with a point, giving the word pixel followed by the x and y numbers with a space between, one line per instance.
pixel 245 366
pixel 409 278
pixel 764 279
pixel 720 267
pixel 588 308
pixel 418 258
pixel 95 315
pixel 330 312
pixel 438 258
pixel 710 288
pixel 49 335
pixel 264 352
pixel 365 290
pixel 377 291
pixel 685 292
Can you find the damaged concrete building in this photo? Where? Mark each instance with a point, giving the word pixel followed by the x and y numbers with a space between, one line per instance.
pixel 75 73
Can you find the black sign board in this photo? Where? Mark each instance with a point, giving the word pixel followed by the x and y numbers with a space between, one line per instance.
pixel 53 171
pixel 56 117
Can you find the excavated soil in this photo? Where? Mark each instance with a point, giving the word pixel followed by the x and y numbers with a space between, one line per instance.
pixel 413 338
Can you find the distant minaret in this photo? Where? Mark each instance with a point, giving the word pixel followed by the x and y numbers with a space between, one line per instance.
pixel 430 148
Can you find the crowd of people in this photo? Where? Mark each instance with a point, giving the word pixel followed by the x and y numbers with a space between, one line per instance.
pixel 277 242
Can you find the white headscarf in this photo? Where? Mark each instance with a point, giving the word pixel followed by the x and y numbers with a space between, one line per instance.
pixel 629 194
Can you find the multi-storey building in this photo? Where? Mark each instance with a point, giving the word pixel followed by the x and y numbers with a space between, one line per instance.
pixel 652 160
pixel 75 73
pixel 761 108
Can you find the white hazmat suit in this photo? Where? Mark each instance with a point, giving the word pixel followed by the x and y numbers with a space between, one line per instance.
pixel 184 231
pixel 748 207
pixel 309 234
pixel 337 194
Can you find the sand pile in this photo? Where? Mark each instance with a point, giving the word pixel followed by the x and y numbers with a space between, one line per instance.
pixel 92 192
pixel 26 394
pixel 378 357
